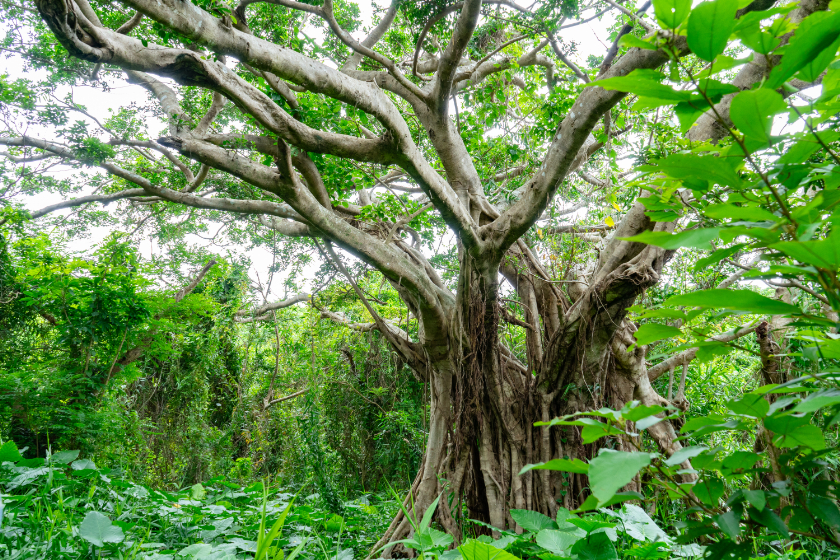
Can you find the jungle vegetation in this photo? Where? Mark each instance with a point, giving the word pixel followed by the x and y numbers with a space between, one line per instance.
pixel 510 302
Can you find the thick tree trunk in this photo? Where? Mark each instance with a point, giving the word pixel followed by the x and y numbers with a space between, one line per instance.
pixel 485 400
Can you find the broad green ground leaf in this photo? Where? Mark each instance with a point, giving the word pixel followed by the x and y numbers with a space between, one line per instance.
pixel 97 529
pixel 649 551
pixel 590 524
pixel 806 45
pixel 565 465
pixel 611 470
pixel 651 332
pixel 63 457
pixel 639 525
pixel 197 492
pixel 709 27
pixel 198 550
pixel 752 112
pixel 738 300
pixel 533 521
pixel 671 13
pixel 475 550
pixel 695 238
pixel 595 547
pixel 83 465
pixel 558 542
pixel 9 452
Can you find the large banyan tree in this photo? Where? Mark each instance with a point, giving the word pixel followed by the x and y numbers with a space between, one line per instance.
pixel 457 149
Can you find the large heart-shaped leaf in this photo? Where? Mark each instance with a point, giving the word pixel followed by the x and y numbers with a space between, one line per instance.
pixel 97 529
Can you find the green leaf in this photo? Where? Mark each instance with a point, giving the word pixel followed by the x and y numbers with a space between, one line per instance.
pixel 558 542
pixel 594 430
pixel 818 400
pixel 759 41
pixel 684 454
pixel 709 490
pixel 565 465
pixel 476 550
pixel 533 521
pixel 643 411
pixel 717 256
pixel 9 452
pixel 804 148
pixel 791 431
pixel 197 492
pixel 97 529
pixel 629 40
pixel 825 510
pixel 595 547
pixel 821 254
pixel 756 498
pixel 730 522
pixel 769 519
pixel 83 465
pixel 750 404
pixel 806 45
pixel 611 470
pixel 590 524
pixel 427 516
pixel 740 460
pixel 752 112
pixel 695 238
pixel 644 83
pixel 671 13
pixel 722 63
pixel 812 70
pixel 739 300
pixel 64 457
pixel 709 27
pixel 651 332
pixel 746 213
pixel 692 166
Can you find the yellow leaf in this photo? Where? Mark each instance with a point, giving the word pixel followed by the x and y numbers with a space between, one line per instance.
pixel 609 221
pixel 617 207
pixel 539 232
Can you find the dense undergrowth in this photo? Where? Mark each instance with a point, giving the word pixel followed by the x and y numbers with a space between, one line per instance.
pixel 65 507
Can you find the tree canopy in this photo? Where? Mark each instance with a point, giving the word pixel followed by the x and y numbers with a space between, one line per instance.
pixel 535 239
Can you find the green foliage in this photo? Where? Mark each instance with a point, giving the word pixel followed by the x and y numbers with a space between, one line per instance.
pixel 724 492
pixel 63 507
